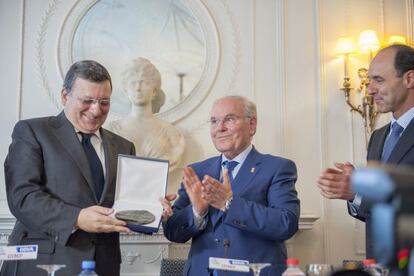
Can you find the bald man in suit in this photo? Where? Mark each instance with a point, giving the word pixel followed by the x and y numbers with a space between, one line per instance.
pixel 391 75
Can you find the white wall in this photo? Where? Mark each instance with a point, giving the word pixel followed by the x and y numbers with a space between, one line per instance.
pixel 280 53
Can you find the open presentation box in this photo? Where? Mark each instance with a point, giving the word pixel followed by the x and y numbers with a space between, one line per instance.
pixel 140 183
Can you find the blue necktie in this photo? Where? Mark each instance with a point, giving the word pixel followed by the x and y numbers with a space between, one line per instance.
pixel 94 163
pixel 230 165
pixel 391 141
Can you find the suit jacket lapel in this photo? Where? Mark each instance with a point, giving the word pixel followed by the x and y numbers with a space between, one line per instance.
pixel 403 145
pixel 247 172
pixel 111 161
pixel 66 135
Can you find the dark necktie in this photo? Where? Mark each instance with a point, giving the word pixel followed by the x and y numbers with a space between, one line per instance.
pixel 94 163
pixel 230 165
pixel 391 141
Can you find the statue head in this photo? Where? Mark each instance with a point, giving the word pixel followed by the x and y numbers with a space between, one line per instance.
pixel 141 80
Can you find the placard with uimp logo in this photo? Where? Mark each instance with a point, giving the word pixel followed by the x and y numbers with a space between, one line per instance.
pixel 18 252
pixel 228 264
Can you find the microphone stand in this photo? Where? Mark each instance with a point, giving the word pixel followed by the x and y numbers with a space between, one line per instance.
pixel 226 244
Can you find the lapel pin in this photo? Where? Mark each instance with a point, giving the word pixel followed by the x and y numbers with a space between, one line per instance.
pixel 252 170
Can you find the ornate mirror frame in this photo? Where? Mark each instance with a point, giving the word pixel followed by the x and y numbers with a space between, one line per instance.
pixel 66 32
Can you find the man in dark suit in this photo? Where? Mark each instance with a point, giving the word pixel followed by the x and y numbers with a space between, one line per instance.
pixel 243 210
pixel 53 189
pixel 391 76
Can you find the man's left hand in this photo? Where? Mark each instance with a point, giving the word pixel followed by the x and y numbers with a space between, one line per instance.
pixel 216 193
pixel 167 211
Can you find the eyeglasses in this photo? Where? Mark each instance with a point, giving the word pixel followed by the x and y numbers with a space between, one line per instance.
pixel 228 121
pixel 89 101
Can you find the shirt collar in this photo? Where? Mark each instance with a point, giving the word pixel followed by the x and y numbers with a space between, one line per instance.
pixel 404 119
pixel 239 158
pixel 96 133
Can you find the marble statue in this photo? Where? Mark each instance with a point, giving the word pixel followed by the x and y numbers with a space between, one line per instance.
pixel 151 136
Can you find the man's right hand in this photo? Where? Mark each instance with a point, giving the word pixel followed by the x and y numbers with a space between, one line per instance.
pixel 334 183
pixel 193 185
pixel 97 219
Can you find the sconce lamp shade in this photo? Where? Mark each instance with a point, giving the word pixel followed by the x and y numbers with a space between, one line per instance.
pixel 397 39
pixel 368 41
pixel 345 45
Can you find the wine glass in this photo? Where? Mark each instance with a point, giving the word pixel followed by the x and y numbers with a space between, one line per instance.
pixel 319 269
pixel 51 268
pixel 257 267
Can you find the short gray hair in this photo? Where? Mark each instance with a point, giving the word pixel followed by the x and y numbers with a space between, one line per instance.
pixel 248 106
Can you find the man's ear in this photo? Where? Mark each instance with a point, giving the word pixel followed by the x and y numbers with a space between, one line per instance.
pixel 63 96
pixel 253 125
pixel 409 79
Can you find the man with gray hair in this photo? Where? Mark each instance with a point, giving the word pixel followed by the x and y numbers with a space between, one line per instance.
pixel 241 204
pixel 60 180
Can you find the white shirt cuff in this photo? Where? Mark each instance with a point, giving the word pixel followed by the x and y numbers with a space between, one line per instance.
pixel 200 221
pixel 355 204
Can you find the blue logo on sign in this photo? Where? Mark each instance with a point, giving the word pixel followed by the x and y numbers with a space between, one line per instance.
pixel 238 262
pixel 22 249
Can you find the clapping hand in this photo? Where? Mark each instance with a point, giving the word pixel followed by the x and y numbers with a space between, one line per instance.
pixel 334 183
pixel 193 187
pixel 215 193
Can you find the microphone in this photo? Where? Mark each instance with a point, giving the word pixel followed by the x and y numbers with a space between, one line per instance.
pixel 226 244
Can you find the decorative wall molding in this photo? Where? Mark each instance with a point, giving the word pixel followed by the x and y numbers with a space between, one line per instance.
pixel 306 222
pixel 359 240
pixel 223 49
pixel 20 76
pixel 281 73
pixel 40 54
pixel 410 20
pixel 131 256
pixel 71 20
pixel 235 45
pixel 6 226
pixel 323 122
pixel 140 250
pixel 229 44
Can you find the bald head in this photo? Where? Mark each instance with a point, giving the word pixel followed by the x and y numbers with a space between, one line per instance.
pixel 391 76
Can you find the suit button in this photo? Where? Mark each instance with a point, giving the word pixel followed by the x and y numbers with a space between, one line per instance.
pixel 217 240
pixel 236 222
